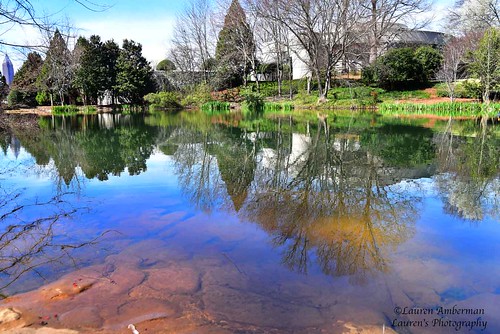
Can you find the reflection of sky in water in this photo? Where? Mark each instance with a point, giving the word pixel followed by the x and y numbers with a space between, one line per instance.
pixel 447 259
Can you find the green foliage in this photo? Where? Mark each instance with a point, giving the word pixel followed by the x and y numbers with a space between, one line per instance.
pixel 13 98
pixel 253 101
pixel 270 88
pixel 463 89
pixel 166 100
pixel 473 89
pixel 234 37
pixel 42 98
pixel 95 73
pixel 270 107
pixel 430 61
pixel 403 68
pixel 486 62
pixel 25 80
pixel 166 65
pixel 199 96
pixel 65 110
pixel 56 73
pixel 135 76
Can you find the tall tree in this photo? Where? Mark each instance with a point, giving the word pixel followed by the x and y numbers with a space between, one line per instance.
pixel 193 41
pixel 486 62
pixel 95 70
pixel 234 47
pixel 111 51
pixel 56 73
pixel 134 77
pixel 385 19
pixel 455 60
pixel 324 29
pixel 89 76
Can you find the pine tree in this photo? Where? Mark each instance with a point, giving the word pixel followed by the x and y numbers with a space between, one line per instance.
pixel 134 77
pixel 234 47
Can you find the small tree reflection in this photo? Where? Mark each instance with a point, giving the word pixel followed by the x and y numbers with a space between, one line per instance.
pixel 470 167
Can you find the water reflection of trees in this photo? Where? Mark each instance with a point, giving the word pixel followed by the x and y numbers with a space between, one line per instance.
pixel 320 195
pixel 95 146
pixel 469 182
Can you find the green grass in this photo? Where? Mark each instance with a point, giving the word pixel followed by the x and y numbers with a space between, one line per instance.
pixel 73 110
pixel 454 109
pixel 215 107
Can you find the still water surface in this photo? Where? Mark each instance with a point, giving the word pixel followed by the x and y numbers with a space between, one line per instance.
pixel 286 223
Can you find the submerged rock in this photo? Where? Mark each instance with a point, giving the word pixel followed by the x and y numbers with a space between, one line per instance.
pixel 8 315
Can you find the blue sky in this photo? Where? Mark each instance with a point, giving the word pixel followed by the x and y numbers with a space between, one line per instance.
pixel 149 22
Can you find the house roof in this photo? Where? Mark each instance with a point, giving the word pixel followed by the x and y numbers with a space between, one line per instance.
pixel 422 37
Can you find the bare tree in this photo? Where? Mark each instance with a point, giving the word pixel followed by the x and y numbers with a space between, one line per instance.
pixel 386 18
pixel 323 29
pixel 193 39
pixel 274 37
pixel 454 62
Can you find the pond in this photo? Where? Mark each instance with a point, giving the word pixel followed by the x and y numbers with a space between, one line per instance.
pixel 253 223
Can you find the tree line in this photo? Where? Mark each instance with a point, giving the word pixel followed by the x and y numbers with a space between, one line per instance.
pixel 93 70
pixel 256 36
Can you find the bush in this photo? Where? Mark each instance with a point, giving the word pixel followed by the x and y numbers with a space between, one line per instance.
pixel 473 89
pixel 199 96
pixel 13 98
pixel 42 98
pixel 403 68
pixel 430 60
pixel 227 95
pixel 253 101
pixel 167 100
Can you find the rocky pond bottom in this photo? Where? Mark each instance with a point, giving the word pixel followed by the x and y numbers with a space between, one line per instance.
pixel 194 223
pixel 168 292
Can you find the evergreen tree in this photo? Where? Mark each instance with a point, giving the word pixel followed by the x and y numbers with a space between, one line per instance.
pixel 234 48
pixel 24 84
pixel 134 74
pixel 89 74
pixel 111 52
pixel 56 74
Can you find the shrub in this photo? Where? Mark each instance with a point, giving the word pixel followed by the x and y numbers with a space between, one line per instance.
pixel 199 96
pixel 430 61
pixel 473 89
pixel 167 100
pixel 13 98
pixel 227 95
pixel 42 98
pixel 253 101
pixel 403 68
